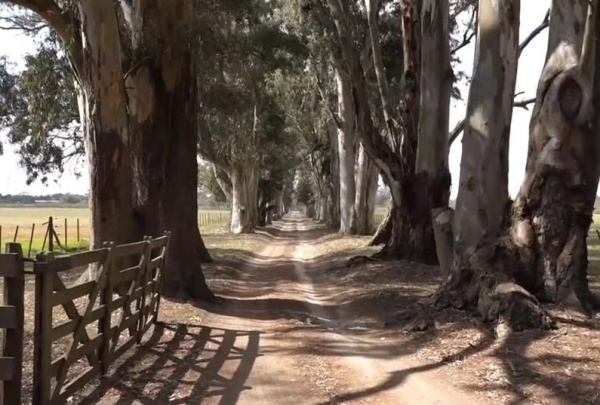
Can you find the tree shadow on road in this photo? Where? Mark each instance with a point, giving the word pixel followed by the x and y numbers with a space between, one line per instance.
pixel 180 364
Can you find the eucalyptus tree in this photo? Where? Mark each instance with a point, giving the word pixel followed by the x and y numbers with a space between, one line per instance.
pixel 130 60
pixel 509 257
pixel 240 123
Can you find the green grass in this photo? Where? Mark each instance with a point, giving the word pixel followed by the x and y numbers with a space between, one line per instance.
pixel 28 218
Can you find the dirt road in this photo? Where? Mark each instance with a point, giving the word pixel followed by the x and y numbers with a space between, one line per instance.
pixel 288 330
pixel 327 357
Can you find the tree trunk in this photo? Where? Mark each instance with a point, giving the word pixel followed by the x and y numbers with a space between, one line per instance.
pixel 561 176
pixel 571 16
pixel 367 177
pixel 105 126
pixel 483 201
pixel 223 181
pixel 333 201
pixel 384 230
pixel 280 207
pixel 323 204
pixel 346 153
pixel 432 185
pixel 244 210
pixel 162 95
pixel 488 269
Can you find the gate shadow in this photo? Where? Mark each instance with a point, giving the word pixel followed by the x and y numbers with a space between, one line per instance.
pixel 181 364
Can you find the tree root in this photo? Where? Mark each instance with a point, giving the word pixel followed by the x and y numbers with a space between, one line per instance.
pixel 360 260
pixel 482 284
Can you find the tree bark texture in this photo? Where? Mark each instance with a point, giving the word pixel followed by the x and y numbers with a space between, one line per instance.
pixel 346 140
pixel 561 178
pixel 106 125
pixel 162 95
pixel 543 254
pixel 244 211
pixel 367 177
pixel 482 205
pixel 333 202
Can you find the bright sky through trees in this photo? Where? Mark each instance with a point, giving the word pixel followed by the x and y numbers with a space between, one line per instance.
pixel 14 46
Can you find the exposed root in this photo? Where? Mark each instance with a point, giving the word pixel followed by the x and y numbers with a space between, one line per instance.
pixel 384 230
pixel 483 282
pixel 360 260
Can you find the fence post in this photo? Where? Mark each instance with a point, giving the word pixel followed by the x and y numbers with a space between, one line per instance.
pixel 161 270
pixel 16 234
pixel 12 344
pixel 43 325
pixel 50 234
pixel 141 302
pixel 77 230
pixel 31 239
pixel 105 322
pixel 65 233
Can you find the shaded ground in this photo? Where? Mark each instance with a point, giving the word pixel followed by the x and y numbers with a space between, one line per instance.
pixel 298 325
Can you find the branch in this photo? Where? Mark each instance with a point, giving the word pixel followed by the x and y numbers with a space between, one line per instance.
pixel 334 116
pixel 461 125
pixel 62 22
pixel 543 25
pixel 468 35
pixel 521 104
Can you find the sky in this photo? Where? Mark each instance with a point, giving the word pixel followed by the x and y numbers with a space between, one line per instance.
pixel 15 46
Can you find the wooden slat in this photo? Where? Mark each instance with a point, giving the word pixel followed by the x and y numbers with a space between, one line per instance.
pixel 158 242
pixel 119 351
pixel 9 265
pixel 69 326
pixel 126 275
pixel 155 263
pixel 8 317
pixel 76 384
pixel 69 294
pixel 8 365
pixel 83 350
pixel 64 263
pixel 128 249
pixel 12 342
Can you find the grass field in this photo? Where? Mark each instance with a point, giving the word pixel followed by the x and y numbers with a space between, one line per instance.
pixel 29 218
pixel 211 221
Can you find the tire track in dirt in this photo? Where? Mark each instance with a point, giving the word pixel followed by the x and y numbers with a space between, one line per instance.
pixel 370 381
pixel 304 357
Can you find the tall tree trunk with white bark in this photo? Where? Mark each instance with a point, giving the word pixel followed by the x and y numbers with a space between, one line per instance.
pixel 346 149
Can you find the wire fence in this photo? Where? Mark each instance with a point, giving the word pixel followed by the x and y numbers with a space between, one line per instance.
pixel 56 234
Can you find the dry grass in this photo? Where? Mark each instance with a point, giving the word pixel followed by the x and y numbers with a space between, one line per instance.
pixel 18 222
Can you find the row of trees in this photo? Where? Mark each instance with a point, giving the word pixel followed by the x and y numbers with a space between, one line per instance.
pixel 502 257
pixel 324 97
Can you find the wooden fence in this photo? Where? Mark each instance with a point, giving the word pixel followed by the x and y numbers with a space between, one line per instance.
pixel 214 218
pixel 103 315
pixel 120 304
pixel 11 322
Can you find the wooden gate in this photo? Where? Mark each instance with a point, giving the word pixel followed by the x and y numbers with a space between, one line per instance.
pixel 103 317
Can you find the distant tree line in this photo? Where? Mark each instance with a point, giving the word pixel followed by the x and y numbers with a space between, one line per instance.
pixel 60 198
